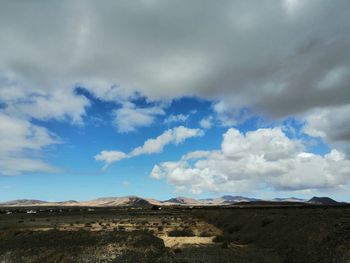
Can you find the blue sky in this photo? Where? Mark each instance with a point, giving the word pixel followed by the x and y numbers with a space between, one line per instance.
pixel 80 143
pixel 103 100
pixel 81 177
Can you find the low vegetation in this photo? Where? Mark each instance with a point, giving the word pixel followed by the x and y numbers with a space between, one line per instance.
pixel 294 234
pixel 213 235
pixel 181 233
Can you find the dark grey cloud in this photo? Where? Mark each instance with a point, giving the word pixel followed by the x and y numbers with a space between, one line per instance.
pixel 272 54
pixel 279 57
pixel 331 124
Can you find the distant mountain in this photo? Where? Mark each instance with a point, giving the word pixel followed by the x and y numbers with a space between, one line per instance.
pixel 236 199
pixel 181 201
pixel 138 202
pixel 24 202
pixel 322 201
pixel 135 201
pixel 69 202
pixel 289 199
pixel 227 199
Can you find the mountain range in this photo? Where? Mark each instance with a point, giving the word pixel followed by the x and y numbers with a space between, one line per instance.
pixel 135 201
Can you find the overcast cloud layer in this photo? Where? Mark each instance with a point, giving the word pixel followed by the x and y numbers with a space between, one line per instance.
pixel 274 58
pixel 283 56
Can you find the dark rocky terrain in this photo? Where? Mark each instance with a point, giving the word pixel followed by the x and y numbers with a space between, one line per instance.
pixel 251 233
pixel 322 201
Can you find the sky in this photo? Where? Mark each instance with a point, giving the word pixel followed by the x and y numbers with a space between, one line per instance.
pixel 161 98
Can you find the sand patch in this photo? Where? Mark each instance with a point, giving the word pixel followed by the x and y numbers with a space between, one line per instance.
pixel 186 241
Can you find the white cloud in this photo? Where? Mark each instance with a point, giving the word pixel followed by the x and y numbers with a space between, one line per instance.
pixel 155 145
pixel 176 118
pixel 182 133
pixel 172 136
pixel 331 124
pixel 18 137
pixel 110 157
pixel 14 165
pixel 129 117
pixel 229 115
pixel 265 158
pixel 272 144
pixel 206 123
pixel 58 105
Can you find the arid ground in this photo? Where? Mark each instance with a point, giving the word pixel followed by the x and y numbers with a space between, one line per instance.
pixel 174 234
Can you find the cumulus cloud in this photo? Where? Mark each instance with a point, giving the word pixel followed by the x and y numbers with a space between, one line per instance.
pixel 56 105
pixel 265 158
pixel 172 136
pixel 331 124
pixel 18 137
pixel 130 117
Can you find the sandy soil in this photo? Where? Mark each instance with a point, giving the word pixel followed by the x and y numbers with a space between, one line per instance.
pixel 174 242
